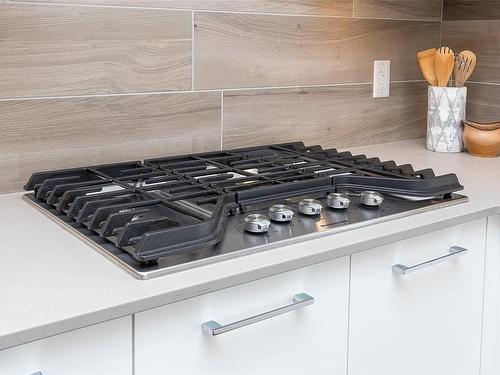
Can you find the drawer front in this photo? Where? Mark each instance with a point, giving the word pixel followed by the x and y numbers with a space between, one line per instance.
pixel 309 339
pixel 103 349
pixel 423 322
pixel 490 360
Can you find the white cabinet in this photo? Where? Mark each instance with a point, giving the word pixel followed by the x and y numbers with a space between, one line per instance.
pixel 490 358
pixel 307 340
pixel 101 349
pixel 424 322
pixel 368 317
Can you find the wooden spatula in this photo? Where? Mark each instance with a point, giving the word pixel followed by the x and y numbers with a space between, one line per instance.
pixel 470 57
pixel 426 61
pixel 443 64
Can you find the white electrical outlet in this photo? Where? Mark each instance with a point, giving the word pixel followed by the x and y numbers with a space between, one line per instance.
pixel 381 78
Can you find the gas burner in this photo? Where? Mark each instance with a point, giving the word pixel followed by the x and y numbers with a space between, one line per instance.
pixel 338 201
pixel 310 207
pixel 371 198
pixel 280 212
pixel 163 215
pixel 257 223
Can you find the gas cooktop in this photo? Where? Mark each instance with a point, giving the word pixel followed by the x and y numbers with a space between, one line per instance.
pixel 167 214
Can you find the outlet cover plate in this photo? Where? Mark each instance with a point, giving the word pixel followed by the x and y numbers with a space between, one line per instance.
pixel 381 78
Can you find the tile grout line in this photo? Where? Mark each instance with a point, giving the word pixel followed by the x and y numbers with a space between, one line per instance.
pixel 441 25
pixel 485 83
pixel 220 12
pixel 264 88
pixel 192 50
pixel 221 120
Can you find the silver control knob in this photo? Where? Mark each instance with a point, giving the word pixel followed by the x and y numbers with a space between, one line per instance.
pixel 371 198
pixel 339 201
pixel 280 212
pixel 310 207
pixel 257 223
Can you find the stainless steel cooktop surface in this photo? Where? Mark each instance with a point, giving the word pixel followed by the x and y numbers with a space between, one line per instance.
pixel 236 241
pixel 163 215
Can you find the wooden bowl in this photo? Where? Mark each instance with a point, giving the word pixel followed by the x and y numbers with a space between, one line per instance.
pixel 482 139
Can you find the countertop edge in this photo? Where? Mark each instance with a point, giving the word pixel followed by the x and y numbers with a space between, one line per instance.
pixel 95 317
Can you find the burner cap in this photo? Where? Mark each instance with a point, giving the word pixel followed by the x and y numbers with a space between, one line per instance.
pixel 371 198
pixel 280 212
pixel 257 223
pixel 310 206
pixel 338 201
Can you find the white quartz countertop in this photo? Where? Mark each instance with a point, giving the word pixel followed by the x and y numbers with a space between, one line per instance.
pixel 52 282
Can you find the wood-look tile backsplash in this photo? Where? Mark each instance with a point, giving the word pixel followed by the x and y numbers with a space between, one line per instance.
pixel 65 50
pixel 331 115
pixel 98 81
pixel 57 133
pixel 248 50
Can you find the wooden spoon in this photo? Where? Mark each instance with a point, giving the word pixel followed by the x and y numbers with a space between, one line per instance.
pixel 471 57
pixel 444 62
pixel 426 61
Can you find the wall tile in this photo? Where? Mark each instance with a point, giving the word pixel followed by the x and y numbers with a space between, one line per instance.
pixel 404 9
pixel 482 37
pixel 42 134
pixel 337 116
pixel 471 10
pixel 483 102
pixel 316 7
pixel 62 50
pixel 51 50
pixel 239 51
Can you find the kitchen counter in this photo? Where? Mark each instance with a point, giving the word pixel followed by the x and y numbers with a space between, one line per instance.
pixel 52 282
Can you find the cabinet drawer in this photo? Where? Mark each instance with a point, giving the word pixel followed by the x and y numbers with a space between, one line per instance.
pixel 424 322
pixel 104 349
pixel 308 340
pixel 490 361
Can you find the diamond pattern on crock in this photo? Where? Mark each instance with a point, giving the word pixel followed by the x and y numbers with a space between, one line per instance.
pixel 446 111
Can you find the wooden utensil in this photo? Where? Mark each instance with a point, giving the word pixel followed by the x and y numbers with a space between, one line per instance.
pixel 459 70
pixel 462 65
pixel 426 61
pixel 444 63
pixel 471 59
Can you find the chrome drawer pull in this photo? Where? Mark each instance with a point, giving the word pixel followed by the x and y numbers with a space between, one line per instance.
pixel 212 328
pixel 453 251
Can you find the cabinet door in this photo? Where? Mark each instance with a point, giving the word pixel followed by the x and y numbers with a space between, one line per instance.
pixel 490 357
pixel 424 322
pixel 101 349
pixel 308 340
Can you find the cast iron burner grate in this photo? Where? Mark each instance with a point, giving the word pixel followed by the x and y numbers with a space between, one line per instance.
pixel 166 206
